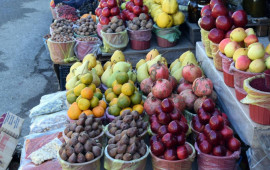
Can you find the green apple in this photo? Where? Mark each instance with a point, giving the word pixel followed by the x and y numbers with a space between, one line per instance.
pixel 267 62
pixel 123 6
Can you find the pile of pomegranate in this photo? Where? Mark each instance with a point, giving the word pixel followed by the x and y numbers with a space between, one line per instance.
pixel 217 19
pixel 194 88
pixel 214 134
pixel 170 127
pixel 67 12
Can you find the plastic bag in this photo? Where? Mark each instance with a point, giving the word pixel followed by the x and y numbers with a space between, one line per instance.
pixel 162 164
pixel 51 103
pixel 171 34
pixel 35 141
pixel 114 164
pixel 256 97
pixel 206 161
pixel 44 123
pixel 82 48
pixel 215 54
pixel 140 35
pixel 114 41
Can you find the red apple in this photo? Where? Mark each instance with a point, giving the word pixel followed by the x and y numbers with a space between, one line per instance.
pixel 228 153
pixel 195 119
pixel 155 126
pixel 129 6
pixel 206 7
pixel 234 144
pixel 201 137
pixel 213 137
pixel 162 131
pixel 216 112
pixel 167 105
pixel 250 39
pixel 169 140
pixel 115 11
pixel 175 114
pixel 138 2
pixel 174 127
pixel 189 148
pixel 184 126
pixel 104 20
pixel 219 151
pixel 228 33
pixel 206 130
pixel 223 44
pixel 154 139
pixel 206 12
pixel 208 105
pixel 158 110
pixel 164 118
pixel 214 2
pixel 112 3
pixel 205 147
pixel 137 10
pixel 157 148
pixel 216 122
pixel 227 133
pixel 106 12
pixel 125 11
pixel 145 9
pixel 224 23
pixel 240 18
pixel 198 126
pixel 153 118
pixel 122 16
pixel 104 5
pixel 98 11
pixel 207 22
pixel 181 139
pixel 183 119
pixel 203 116
pixel 216 35
pixel 219 10
pixel 182 152
pixel 100 3
pixel 131 16
pixel 170 154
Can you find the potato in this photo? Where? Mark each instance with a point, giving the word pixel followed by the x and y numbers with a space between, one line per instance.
pixel 114 19
pixel 142 16
pixel 134 27
pixel 120 22
pixel 143 23
pixel 114 26
pixel 149 25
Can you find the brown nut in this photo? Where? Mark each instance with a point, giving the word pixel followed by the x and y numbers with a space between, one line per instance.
pixel 69 151
pixel 119 156
pixel 118 132
pixel 75 135
pixel 111 140
pixel 135 115
pixel 80 158
pixel 89 156
pixel 117 137
pixel 91 134
pixel 78 148
pixel 127 118
pixel 144 125
pixel 124 139
pixel 124 126
pixel 127 157
pixel 133 140
pixel 79 129
pixel 72 141
pixel 96 151
pixel 88 146
pixel 66 130
pixel 132 148
pixel 69 134
pixel 83 116
pixel 121 148
pixel 83 137
pixel 72 158
pixel 113 152
pixel 113 130
pixel 136 156
pixel 139 123
pixel 88 128
pixel 95 126
pixel 111 146
pixel 118 124
pixel 64 155
pixel 133 124
pixel 132 132
pixel 80 122
pixel 142 151
pixel 89 121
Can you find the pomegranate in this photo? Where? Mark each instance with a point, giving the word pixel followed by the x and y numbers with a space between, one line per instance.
pixel 189 98
pixel 202 86
pixel 146 86
pixel 178 102
pixel 150 105
pixel 150 95
pixel 198 103
pixel 159 71
pixel 190 72
pixel 213 95
pixel 173 82
pixel 162 89
pixel 183 86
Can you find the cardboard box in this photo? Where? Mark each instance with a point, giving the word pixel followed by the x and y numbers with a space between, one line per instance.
pixel 11 124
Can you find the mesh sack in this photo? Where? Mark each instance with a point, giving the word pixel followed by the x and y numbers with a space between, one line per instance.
pixel 114 41
pixel 171 34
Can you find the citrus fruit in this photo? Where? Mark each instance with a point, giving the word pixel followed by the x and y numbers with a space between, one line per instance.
pixel 114 83
pixel 69 91
pixel 138 108
pixel 87 78
pixel 123 102
pixel 136 98
pixel 128 89
pixel 71 98
pixel 110 96
pixel 130 81
pixel 109 90
pixel 78 82
pixel 78 89
pixel 78 98
pixel 117 89
pixel 87 93
pixel 99 95
pixel 114 110
pixel 84 104
pixel 74 111
pixel 98 111
pixel 87 112
pixel 113 102
pixel 92 86
pixel 94 102
pixel 98 90
pixel 128 108
pixel 122 77
pixel 103 104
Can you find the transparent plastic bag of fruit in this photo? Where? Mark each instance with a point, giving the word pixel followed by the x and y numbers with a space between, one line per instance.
pixel 205 40
pixel 171 34
pixel 82 48
pixel 114 41
pixel 140 35
pixel 216 57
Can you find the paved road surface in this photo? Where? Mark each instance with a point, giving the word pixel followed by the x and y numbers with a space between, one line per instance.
pixel 26 71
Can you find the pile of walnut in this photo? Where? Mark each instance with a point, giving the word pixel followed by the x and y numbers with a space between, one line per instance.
pixel 126 146
pixel 80 149
pixel 116 25
pixel 62 30
pixel 140 23
pixel 85 124
pixel 86 27
pixel 127 120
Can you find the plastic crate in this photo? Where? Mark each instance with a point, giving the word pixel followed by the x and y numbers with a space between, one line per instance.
pixel 63 72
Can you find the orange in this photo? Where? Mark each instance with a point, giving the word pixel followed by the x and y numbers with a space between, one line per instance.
pixel 114 83
pixel 74 111
pixel 128 89
pixel 138 108
pixel 127 108
pixel 113 102
pixel 98 90
pixel 103 104
pixel 98 111
pixel 110 96
pixel 87 112
pixel 117 89
pixel 84 104
pixel 92 86
pixel 87 93
pixel 109 90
